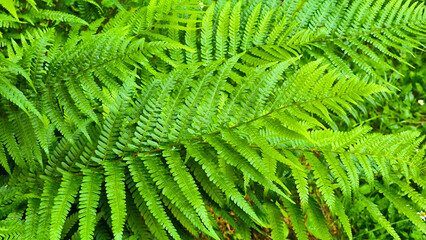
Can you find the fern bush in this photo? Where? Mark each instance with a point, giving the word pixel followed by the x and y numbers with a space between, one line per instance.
pixel 151 119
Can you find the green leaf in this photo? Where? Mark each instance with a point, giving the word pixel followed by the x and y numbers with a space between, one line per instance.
pixel 89 199
pixel 114 183
pixel 9 5
pixel 190 190
pixel 62 203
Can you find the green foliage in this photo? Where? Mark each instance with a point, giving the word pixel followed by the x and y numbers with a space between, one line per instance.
pixel 148 119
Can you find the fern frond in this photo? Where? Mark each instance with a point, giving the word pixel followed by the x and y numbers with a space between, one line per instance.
pixel 69 224
pixel 222 31
pixel 234 28
pixel 248 153
pixel 300 177
pixel 62 203
pixel 46 204
pixel 110 131
pixel 136 224
pixel 14 95
pixel 206 35
pixel 209 187
pixel 316 221
pixel 211 99
pixel 7 21
pixel 3 160
pixel 297 220
pixel 32 218
pixel 222 181
pixel 279 227
pixel 249 29
pixel 150 195
pixel 339 174
pixel 114 183
pixel 190 190
pixel 153 225
pixel 89 198
pixel 339 210
pixel 11 228
pixel 170 189
pixel 378 216
pixel 322 179
pixel 57 16
pixel 403 206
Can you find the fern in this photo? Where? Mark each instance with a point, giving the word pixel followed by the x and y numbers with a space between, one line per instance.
pixel 316 222
pixel 89 197
pixel 150 119
pixel 64 199
pixel 378 216
pixel 149 194
pixel 114 183
pixel 297 220
pixel 280 229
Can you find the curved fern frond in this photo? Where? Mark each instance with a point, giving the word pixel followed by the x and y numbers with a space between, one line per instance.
pixel 151 197
pixel 62 203
pixel 378 216
pixel 115 188
pixel 297 220
pixel 187 184
pixel 89 198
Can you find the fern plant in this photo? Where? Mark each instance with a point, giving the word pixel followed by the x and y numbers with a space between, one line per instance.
pixel 151 119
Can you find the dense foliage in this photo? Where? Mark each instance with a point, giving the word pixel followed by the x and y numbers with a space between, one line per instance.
pixel 157 119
